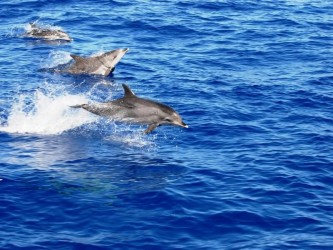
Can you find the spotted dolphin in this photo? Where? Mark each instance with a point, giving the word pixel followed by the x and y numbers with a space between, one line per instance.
pixel 46 33
pixel 133 109
pixel 96 65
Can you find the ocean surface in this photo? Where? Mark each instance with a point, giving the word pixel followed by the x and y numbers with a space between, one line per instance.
pixel 254 170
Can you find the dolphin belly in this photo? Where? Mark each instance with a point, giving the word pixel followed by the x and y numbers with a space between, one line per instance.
pixel 102 70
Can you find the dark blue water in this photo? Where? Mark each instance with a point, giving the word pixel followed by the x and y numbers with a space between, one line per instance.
pixel 254 81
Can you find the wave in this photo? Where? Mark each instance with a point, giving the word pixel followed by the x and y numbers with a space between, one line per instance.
pixel 45 114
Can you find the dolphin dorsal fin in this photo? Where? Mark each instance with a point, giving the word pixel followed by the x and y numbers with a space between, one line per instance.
pixel 76 58
pixel 127 91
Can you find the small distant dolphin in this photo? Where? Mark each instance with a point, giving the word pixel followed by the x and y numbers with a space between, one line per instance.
pixel 133 109
pixel 96 65
pixel 46 33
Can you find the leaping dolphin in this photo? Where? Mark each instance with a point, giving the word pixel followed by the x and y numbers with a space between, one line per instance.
pixel 133 109
pixel 96 65
pixel 46 33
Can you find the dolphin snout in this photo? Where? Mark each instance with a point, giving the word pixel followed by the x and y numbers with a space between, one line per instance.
pixel 125 50
pixel 183 124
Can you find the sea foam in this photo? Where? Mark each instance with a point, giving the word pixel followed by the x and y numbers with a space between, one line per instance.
pixel 46 113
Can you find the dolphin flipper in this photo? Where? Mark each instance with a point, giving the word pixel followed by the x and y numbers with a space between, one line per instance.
pixel 151 127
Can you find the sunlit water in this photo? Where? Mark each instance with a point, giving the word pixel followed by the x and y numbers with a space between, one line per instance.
pixel 253 79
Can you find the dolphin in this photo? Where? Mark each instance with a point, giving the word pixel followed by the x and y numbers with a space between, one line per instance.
pixel 46 33
pixel 133 109
pixel 96 65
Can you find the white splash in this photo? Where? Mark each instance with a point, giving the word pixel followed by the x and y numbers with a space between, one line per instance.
pixel 46 114
pixel 42 25
pixel 56 58
pixel 130 136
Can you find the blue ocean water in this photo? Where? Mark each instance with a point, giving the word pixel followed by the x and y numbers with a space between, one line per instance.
pixel 253 79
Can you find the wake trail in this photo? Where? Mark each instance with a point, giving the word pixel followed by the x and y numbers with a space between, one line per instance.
pixel 46 114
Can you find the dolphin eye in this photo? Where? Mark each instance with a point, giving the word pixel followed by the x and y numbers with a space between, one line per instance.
pixel 167 120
